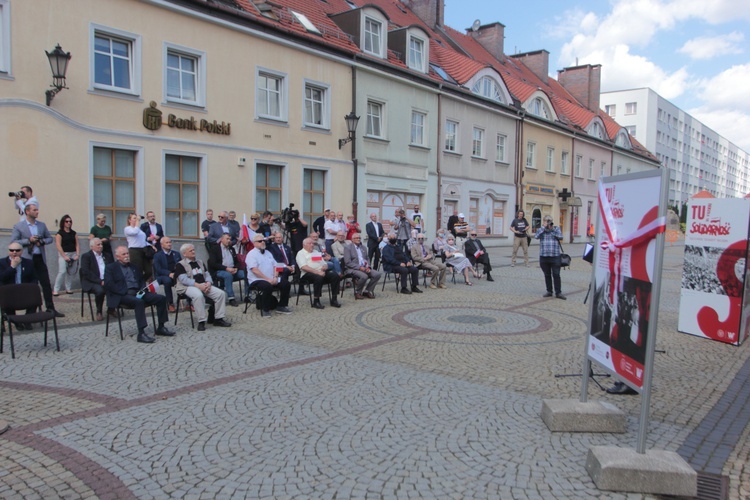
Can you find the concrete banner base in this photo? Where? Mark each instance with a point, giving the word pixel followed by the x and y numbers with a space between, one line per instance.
pixel 4 426
pixel 656 472
pixel 571 415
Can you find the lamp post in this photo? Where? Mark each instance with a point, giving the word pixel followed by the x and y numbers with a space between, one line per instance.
pixel 351 126
pixel 58 62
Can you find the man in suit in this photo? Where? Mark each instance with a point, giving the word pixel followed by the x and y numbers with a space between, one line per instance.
pixel 358 265
pixel 374 231
pixel 15 269
pixel 319 223
pixel 216 230
pixel 165 261
pixel 475 252
pixel 154 231
pixel 283 255
pixel 124 284
pixel 395 260
pixel 91 273
pixel 223 263
pixel 194 280
pixel 33 235
pixel 423 258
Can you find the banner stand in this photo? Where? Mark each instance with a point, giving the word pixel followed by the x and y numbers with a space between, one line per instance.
pixel 626 280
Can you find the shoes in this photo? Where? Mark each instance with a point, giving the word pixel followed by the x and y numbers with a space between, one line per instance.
pixel 222 322
pixel 443 286
pixel 369 295
pixel 113 313
pixel 202 326
pixel 468 283
pixel 57 313
pixel 55 294
pixel 514 265
pixel 318 305
pixel 416 289
pixel 69 292
pixel 283 310
pixel 145 339
pixel 489 277
pixel 164 331
pixel 433 287
pixel 265 314
pixel 233 302
pixel 548 294
pixel 620 388
pixel 561 296
pixel 20 327
pixel 358 296
pixel 335 303
pixel 406 291
pixel 99 317
pixel 172 308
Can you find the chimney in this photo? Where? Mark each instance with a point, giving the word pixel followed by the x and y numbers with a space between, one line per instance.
pixel 429 11
pixel 537 61
pixel 583 83
pixel 491 37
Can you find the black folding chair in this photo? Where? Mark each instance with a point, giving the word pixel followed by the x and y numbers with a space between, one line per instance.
pixel 24 296
pixel 91 307
pixel 120 313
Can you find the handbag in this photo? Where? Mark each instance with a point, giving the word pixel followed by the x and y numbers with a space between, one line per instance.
pixel 149 251
pixel 564 258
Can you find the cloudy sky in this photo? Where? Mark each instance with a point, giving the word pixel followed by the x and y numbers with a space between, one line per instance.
pixel 695 53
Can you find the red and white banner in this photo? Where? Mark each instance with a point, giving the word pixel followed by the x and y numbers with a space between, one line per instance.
pixel 715 295
pixel 629 221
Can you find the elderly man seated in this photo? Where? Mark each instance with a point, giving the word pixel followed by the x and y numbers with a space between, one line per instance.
pixel 194 280
pixel 396 261
pixel 15 269
pixel 423 258
pixel 264 275
pixel 165 261
pixel 223 263
pixel 91 273
pixel 315 270
pixel 358 266
pixel 476 252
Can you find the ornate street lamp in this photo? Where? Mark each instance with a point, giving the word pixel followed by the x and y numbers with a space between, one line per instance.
pixel 58 62
pixel 351 126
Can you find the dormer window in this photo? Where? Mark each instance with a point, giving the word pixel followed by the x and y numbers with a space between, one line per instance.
pixel 487 87
pixel 373 37
pixel 416 59
pixel 623 140
pixel 539 108
pixel 596 130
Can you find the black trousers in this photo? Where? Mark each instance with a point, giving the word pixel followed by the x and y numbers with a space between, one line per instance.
pixel 373 254
pixel 98 291
pixel 42 274
pixel 139 306
pixel 317 282
pixel 551 269
pixel 265 289
pixel 404 272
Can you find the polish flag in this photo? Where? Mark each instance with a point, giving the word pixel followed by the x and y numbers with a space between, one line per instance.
pixel 152 287
pixel 316 257
pixel 280 267
pixel 477 254
pixel 245 229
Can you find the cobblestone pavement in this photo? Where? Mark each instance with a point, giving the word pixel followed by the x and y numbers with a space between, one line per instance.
pixel 435 395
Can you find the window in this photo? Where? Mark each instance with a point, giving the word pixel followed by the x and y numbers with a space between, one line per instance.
pixel 451 133
pixel 114 185
pixel 579 162
pixel 314 194
pixel 477 143
pixel 500 148
pixel 631 108
pixel 317 111
pixel 564 163
pixel 115 60
pixel 184 76
pixel 602 170
pixel 611 109
pixel 268 188
pixel 550 159
pixel 631 130
pixel 271 95
pixel 416 54
pixel 4 36
pixel 374 119
pixel 488 88
pixel 182 194
pixel 596 130
pixel 531 154
pixel 539 108
pixel 373 37
pixel 591 169
pixel 417 128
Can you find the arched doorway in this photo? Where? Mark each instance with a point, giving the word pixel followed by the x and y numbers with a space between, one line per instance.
pixel 536 218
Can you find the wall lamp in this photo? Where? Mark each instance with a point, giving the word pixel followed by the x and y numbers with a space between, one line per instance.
pixel 58 62
pixel 351 126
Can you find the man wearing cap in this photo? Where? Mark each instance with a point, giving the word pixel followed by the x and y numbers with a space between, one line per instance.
pixel 264 275
pixel 549 238
pixel 460 230
pixel 423 258
pixel 476 252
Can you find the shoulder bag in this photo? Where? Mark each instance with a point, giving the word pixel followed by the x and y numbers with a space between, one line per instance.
pixel 564 258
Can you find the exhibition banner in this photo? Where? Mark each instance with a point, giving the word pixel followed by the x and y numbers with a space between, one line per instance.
pixel 714 299
pixel 631 213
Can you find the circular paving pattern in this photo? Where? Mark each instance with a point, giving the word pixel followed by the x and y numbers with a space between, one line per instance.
pixel 471 321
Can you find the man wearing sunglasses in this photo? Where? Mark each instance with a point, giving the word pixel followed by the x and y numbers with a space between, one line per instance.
pixel 216 231
pixel 15 269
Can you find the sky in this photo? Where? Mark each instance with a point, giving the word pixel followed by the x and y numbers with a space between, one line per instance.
pixel 694 53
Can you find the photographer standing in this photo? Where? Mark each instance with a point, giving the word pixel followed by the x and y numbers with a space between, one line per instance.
pixel 549 238
pixel 24 196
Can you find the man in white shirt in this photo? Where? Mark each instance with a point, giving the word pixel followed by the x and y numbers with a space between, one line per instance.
pixel 418 219
pixel 315 270
pixel 28 198
pixel 264 276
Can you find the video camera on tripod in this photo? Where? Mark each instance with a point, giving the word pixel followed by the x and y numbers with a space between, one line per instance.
pixel 289 215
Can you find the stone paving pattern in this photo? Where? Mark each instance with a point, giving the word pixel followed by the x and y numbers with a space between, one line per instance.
pixel 433 395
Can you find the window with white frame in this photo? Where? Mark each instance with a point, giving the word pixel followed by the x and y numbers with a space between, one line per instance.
pixel 417 128
pixel 270 99
pixel 631 108
pixel 184 75
pixel 564 158
pixel 488 88
pixel 596 130
pixel 373 37
pixel 451 134
pixel 539 108
pixel 579 165
pixel 502 139
pixel 611 109
pixel 115 61
pixel 4 36
pixel 602 169
pixel 416 57
pixel 374 119
pixel 531 154
pixel 591 169
pixel 477 143
pixel 550 159
pixel 317 108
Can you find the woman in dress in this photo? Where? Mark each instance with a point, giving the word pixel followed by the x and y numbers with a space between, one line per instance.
pixel 102 231
pixel 68 252
pixel 137 244
pixel 458 260
pixel 439 243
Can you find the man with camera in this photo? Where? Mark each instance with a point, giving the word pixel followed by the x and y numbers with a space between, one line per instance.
pixel 549 237
pixel 24 196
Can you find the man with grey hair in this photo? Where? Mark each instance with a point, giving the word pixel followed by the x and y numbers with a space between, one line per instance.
pixel 215 231
pixel 194 280
pixel 91 273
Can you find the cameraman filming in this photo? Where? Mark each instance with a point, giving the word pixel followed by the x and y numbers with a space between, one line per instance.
pixel 24 196
pixel 295 227
pixel 549 238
